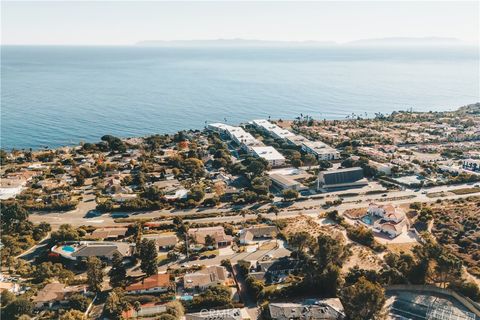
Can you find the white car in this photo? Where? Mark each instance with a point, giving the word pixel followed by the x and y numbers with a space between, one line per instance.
pixel 267 257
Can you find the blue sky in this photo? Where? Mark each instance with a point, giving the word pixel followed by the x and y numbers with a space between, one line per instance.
pixel 127 22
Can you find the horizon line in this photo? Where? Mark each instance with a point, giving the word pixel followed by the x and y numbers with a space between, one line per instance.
pixel 397 40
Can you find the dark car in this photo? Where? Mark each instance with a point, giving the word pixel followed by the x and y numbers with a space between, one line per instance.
pixel 93 214
pixel 203 257
pixel 119 215
pixel 212 256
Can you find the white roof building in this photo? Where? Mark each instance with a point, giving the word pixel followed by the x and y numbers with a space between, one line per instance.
pixel 237 134
pixel 320 150
pixel 270 154
pixel 273 129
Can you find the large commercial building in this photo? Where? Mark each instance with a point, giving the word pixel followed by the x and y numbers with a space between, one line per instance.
pixel 284 182
pixel 272 129
pixel 320 150
pixel 274 158
pixel 341 178
pixel 237 134
pixel 249 143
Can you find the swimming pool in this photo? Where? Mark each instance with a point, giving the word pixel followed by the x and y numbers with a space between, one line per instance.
pixel 186 298
pixel 68 248
pixel 367 219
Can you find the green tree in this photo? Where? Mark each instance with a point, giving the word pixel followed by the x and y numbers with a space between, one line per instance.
pixel 468 289
pixel 194 168
pixel 17 308
pixel 448 268
pixel 118 272
pixel 66 232
pixel 196 193
pixel 329 251
pixel 12 216
pixel 167 316
pixel 148 257
pixel 115 304
pixel 114 143
pixel 256 167
pixel 79 302
pixel 212 297
pixel 95 274
pixel 3 157
pixel 290 194
pixel 6 297
pixel 309 160
pixel 363 300
pixel 300 241
pixel 176 309
pixel 210 241
pixel 73 315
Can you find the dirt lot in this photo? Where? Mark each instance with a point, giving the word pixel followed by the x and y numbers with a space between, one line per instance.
pixel 362 257
pixel 456 226
pixel 309 225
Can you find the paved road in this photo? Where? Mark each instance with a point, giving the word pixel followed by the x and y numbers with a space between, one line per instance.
pixel 77 217
pixel 35 251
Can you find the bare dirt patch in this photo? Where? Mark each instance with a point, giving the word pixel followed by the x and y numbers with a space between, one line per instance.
pixel 308 224
pixel 362 257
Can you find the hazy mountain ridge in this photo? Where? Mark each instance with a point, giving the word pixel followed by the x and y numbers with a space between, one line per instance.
pixel 403 41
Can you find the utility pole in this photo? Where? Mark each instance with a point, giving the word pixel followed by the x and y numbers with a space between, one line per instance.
pixel 186 244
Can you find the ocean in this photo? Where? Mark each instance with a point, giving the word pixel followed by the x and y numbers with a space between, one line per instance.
pixel 54 96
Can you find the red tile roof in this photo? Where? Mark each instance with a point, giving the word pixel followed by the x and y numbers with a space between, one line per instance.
pixel 161 280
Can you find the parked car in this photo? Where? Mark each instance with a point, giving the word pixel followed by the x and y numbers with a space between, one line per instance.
pixel 93 214
pixel 119 215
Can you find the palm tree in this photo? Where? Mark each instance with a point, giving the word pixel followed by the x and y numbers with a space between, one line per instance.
pixel 137 307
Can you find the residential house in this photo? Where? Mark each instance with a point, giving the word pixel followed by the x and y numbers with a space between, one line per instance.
pixel 387 212
pixel 217 233
pixel 325 309
pixel 164 241
pixel 255 233
pixel 101 249
pixel 158 283
pixel 277 270
pixel 109 233
pixel 54 295
pixel 393 219
pixel 202 279
pixel 123 197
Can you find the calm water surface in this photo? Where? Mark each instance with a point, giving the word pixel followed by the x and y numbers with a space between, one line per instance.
pixel 56 96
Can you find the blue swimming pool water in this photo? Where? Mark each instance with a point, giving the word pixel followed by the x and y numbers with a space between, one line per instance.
pixel 367 220
pixel 186 298
pixel 68 249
